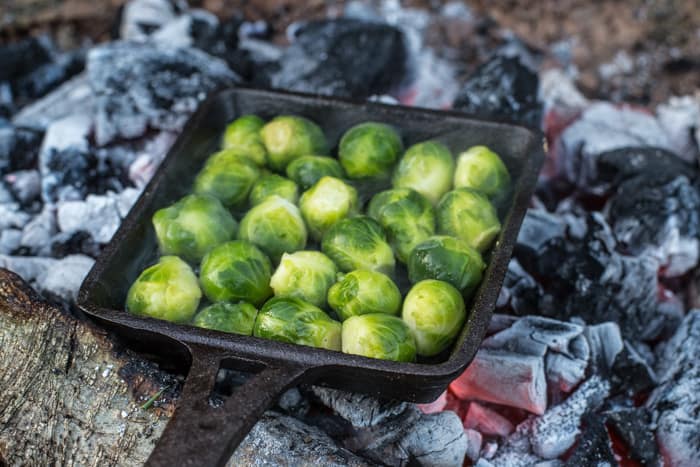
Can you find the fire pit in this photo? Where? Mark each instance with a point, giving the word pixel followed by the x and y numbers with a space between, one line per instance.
pixel 590 359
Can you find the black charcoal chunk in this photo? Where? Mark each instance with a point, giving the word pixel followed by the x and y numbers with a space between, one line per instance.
pixel 502 88
pixel 19 148
pixel 23 57
pixel 141 86
pixel 48 76
pixel 631 373
pixel 343 57
pixel 25 186
pixel 633 427
pixel 71 243
pixel 594 446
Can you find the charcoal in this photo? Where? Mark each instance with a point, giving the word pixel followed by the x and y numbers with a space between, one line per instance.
pixel 435 440
pixel 70 243
pixel 552 434
pixel 97 214
pixel 502 88
pixel 9 241
pixel 520 293
pixel 343 57
pixel 66 175
pixel 294 403
pixel 28 268
pixel 633 427
pixel 605 342
pixel 165 85
pixel 25 186
pixel 5 193
pixel 59 103
pixel 594 447
pixel 140 18
pixel 379 440
pixel 559 93
pixel 24 56
pixel 474 440
pixel 565 372
pixel 284 440
pixel 48 76
pixel 675 403
pixel 603 127
pixel 11 216
pixel 36 235
pixel 359 409
pixel 533 335
pixel 487 421
pixel 679 117
pixel 438 405
pixel 631 373
pixel 19 148
pixel 63 279
pixel 7 101
pixel 589 278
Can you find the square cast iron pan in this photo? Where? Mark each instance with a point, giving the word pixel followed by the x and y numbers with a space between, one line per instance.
pixel 202 434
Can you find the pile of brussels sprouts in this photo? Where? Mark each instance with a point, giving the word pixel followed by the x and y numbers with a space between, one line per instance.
pixel 306 262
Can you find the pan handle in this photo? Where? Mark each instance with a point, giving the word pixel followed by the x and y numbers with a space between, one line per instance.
pixel 200 434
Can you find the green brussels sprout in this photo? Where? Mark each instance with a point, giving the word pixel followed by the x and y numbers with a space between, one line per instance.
pixel 243 134
pixel 434 310
pixel 325 203
pixel 369 150
pixel 227 176
pixel 295 321
pixel 192 226
pixel 306 275
pixel 468 215
pixel 276 226
pixel 447 259
pixel 361 292
pixel 307 170
pixel 407 217
pixel 482 170
pixel 273 184
pixel 167 290
pixel 237 318
pixel 358 243
pixel 378 335
pixel 288 137
pixel 236 271
pixel 428 168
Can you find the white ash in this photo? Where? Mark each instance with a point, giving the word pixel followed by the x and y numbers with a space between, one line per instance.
pixel 141 17
pixel 474 440
pixel 98 215
pixel 178 33
pixel 70 131
pixel 359 409
pixel 36 235
pixel 9 240
pixel 680 117
pixel 558 91
pixel 63 278
pixel 59 103
pixel 12 217
pixel 28 268
pixel 605 341
pixel 5 194
pixel 435 440
pixel 25 185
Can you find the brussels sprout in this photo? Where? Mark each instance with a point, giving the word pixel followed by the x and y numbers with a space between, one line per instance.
pixel 369 150
pixel 307 170
pixel 407 217
pixel 482 170
pixel 447 259
pixel 276 226
pixel 243 134
pixel 237 318
pixel 358 243
pixel 428 168
pixel 306 275
pixel 227 176
pixel 192 226
pixel 468 215
pixel 361 292
pixel 287 137
pixel 273 184
pixel 236 271
pixel 295 321
pixel 378 335
pixel 167 290
pixel 328 201
pixel 435 312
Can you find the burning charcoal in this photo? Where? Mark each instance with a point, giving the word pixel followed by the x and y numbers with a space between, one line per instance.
pixel 283 440
pixel 37 234
pixel 140 18
pixel 604 127
pixel 436 439
pixel 605 342
pixel 679 117
pixel 71 243
pixel 165 85
pixel 438 405
pixel 565 372
pixel 25 186
pixel 515 452
pixel 12 217
pixel 65 174
pixel 59 103
pixel 502 88
pixel 675 403
pixel 594 446
pixel 19 148
pixel 63 279
pixel 98 215
pixel 520 293
pixel 504 378
pixel 22 57
pixel 633 427
pixel 487 421
pixel 552 434
pixel 631 373
pixel 532 335
pixel 589 278
pixel 9 241
pixel 48 76
pixel 359 409
pixel 343 57
pixel 474 440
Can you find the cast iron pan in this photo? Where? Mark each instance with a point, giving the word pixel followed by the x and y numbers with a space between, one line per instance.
pixel 202 433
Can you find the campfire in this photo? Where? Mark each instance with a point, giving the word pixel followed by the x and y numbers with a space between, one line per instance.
pixel 591 357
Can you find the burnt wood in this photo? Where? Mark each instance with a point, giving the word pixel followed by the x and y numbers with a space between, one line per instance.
pixel 203 433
